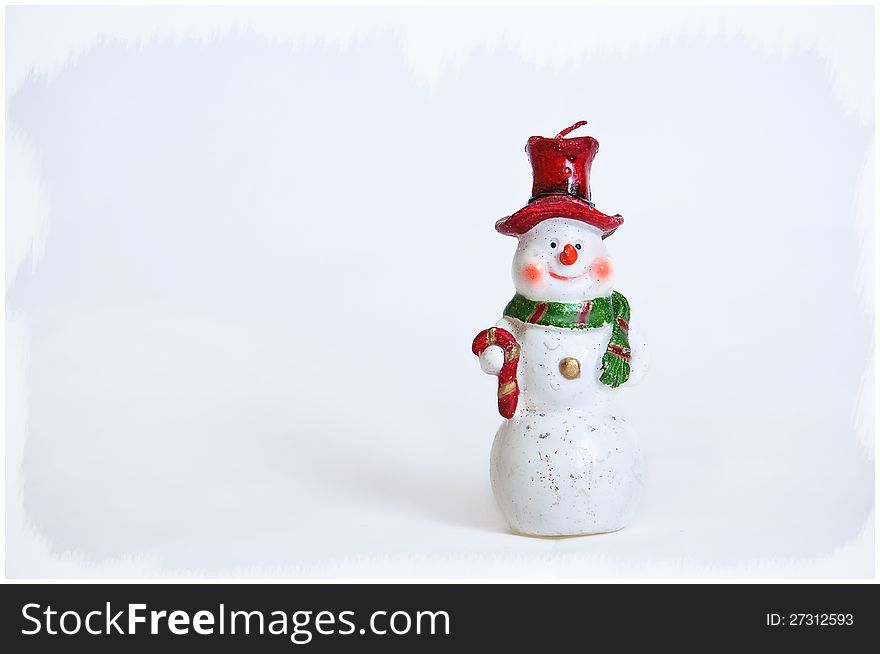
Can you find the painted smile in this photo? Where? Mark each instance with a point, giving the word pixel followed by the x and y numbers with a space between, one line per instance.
pixel 563 277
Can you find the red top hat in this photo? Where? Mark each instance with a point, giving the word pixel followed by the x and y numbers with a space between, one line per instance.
pixel 561 186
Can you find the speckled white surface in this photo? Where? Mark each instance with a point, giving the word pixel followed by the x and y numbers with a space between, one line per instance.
pixel 565 473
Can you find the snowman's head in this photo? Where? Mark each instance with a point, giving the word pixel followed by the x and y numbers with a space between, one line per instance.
pixel 562 260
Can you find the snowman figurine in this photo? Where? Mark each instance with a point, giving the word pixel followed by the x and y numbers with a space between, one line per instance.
pixel 563 463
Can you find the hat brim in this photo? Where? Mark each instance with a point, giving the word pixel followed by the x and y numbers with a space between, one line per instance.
pixel 557 206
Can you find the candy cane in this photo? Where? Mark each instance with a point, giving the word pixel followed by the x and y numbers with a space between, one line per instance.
pixel 508 391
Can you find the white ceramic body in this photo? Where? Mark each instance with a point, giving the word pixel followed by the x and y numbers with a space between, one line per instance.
pixel 566 464
pixel 566 473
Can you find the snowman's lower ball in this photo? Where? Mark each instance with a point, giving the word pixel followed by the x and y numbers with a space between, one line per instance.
pixel 566 473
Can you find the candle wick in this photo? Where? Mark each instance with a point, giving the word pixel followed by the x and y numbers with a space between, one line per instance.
pixel 568 130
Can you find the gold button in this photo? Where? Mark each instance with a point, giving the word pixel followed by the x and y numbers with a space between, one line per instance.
pixel 570 368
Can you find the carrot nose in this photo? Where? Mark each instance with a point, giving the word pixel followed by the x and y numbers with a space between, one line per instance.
pixel 568 255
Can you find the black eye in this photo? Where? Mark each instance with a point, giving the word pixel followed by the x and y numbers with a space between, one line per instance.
pixel 552 244
pixel 577 245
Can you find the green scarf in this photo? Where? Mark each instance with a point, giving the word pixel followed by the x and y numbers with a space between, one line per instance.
pixel 597 312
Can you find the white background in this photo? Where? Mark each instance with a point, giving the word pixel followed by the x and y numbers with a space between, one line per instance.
pixel 248 249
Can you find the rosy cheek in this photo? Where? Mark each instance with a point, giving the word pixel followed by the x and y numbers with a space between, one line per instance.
pixel 532 273
pixel 601 269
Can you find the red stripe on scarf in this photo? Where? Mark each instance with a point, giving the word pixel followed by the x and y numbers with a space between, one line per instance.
pixel 538 313
pixel 623 324
pixel 619 350
pixel 584 314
